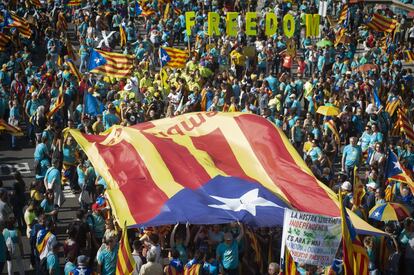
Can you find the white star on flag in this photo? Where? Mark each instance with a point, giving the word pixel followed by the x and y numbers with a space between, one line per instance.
pixel 249 201
pixel 164 58
pixel 377 214
pixel 97 60
pixel 397 165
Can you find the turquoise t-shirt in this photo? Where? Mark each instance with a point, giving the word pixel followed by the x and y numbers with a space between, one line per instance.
pixel 352 155
pixel 69 154
pixel 229 255
pixel 41 152
pixel 69 267
pixel 53 174
pixel 107 259
pixel 53 263
pixel 97 225
pixel 315 153
pixel 46 206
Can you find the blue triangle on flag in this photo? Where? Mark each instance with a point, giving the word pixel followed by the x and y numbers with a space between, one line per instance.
pixel 96 60
pixel 165 58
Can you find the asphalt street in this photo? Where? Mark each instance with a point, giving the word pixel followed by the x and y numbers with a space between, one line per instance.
pixel 22 160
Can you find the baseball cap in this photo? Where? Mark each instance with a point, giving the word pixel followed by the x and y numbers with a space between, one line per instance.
pixel 346 186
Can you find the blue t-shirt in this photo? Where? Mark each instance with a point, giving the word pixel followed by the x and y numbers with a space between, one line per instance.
pixel 315 153
pixel 109 120
pixel 107 259
pixel 229 255
pixel 53 174
pixel 41 152
pixel 53 263
pixel 352 155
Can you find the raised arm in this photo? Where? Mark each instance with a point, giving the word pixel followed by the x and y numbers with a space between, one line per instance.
pixel 172 236
pixel 241 232
pixel 187 234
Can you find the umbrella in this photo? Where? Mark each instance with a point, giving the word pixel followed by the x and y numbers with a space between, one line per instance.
pixel 324 43
pixel 389 211
pixel 328 111
pixel 367 67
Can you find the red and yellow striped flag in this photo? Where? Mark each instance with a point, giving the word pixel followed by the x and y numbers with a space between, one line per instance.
pixel 409 56
pixel 332 127
pixel 20 24
pixel 61 23
pixel 290 266
pixel 359 190
pixel 193 269
pixel 71 52
pixel 125 263
pixel 73 69
pixel 381 23
pixel 13 130
pixel 122 36
pixel 354 254
pixel 5 41
pixel 58 104
pixel 74 3
pixel 173 58
pixel 343 14
pixel 113 64
pixel 339 36
pixel 405 126
pixel 36 3
pixel 392 106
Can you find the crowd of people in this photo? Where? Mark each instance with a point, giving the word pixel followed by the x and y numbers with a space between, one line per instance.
pixel 252 74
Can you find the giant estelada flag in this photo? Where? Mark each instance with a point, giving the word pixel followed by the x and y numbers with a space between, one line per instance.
pixel 206 168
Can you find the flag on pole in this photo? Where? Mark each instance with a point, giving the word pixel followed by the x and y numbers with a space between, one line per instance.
pixel 405 126
pixel 93 106
pixel 122 36
pixel 143 10
pixel 111 64
pixel 359 190
pixel 355 256
pixel 166 11
pixel 343 14
pixel 73 69
pixel 13 130
pixel 74 3
pixel 125 263
pixel 58 104
pixel 289 266
pixel 377 100
pixel 11 20
pixel 330 124
pixel 394 170
pixel 172 57
pixel 392 105
pixel 381 23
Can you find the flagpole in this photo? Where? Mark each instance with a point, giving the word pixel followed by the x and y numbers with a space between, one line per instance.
pixel 162 82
